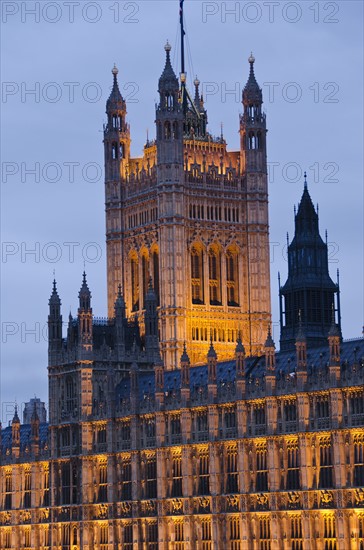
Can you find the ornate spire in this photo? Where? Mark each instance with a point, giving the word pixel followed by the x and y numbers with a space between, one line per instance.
pixel 168 81
pixel 16 416
pixel 334 329
pixel 306 218
pixel 184 356
pixel 54 299
pixel 212 353
pixel 300 336
pixel 269 343
pixel 120 302
pixel 239 346
pixel 84 294
pixel 252 92
pixel 116 100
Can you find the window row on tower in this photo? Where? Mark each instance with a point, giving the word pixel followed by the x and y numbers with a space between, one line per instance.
pixel 214 213
pixel 142 268
pixel 143 217
pixel 215 276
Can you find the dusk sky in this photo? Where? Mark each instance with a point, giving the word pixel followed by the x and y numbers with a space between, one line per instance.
pixel 56 61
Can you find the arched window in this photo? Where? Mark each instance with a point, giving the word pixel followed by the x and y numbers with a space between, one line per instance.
pixel 134 264
pixel 145 274
pixel 232 279
pixel 197 276
pixel 121 150
pixel 259 140
pixel 252 141
pixel 167 130
pixel 215 276
pixel 114 151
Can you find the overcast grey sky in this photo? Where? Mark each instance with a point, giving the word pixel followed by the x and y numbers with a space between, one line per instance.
pixel 309 58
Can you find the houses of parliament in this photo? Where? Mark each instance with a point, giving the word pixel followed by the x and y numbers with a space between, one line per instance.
pixel 174 424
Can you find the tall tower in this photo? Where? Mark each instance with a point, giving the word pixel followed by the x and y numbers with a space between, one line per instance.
pixel 253 151
pixel 117 154
pixel 171 209
pixel 308 296
pixel 54 327
pixel 193 217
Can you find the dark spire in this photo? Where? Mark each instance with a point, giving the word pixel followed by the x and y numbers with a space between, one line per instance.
pixel 168 81
pixel 54 299
pixel 300 336
pixel 16 419
pixel 211 353
pixel 120 302
pixel 334 329
pixel 116 100
pixel 252 93
pixel 84 294
pixel 309 292
pixel 306 219
pixel 269 343
pixel 184 356
pixel 239 346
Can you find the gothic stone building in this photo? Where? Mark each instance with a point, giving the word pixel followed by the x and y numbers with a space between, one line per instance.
pixel 250 450
pixel 194 217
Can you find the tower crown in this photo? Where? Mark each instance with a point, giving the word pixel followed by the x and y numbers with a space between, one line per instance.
pixel 168 81
pixel 84 294
pixel 309 292
pixel 116 101
pixel 252 93
pixel 54 300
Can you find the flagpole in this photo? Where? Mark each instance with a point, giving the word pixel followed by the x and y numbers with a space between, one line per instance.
pixel 183 74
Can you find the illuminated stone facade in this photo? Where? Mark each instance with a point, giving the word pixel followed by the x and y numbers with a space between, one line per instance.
pixel 194 217
pixel 252 450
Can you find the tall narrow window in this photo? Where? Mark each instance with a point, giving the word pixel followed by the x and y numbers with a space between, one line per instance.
pixel 293 470
pixel 46 488
pixel 261 469
pixel 358 461
pixel 155 261
pixel 197 276
pixel 179 536
pixel 326 466
pixel 206 534
pixel 102 496
pixel 231 470
pixel 152 536
pixel 204 475
pixel 330 541
pixel 66 483
pixel 8 491
pixel 135 284
pixel 176 476
pixel 104 537
pixel 128 539
pixel 215 277
pixel 151 478
pixel 145 273
pixel 27 489
pixel 125 480
pixel 234 534
pixel 296 533
pixel 264 534
pixel 232 280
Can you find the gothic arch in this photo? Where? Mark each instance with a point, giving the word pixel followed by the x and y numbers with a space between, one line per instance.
pixel 145 264
pixel 214 263
pixel 134 279
pixel 155 269
pixel 197 273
